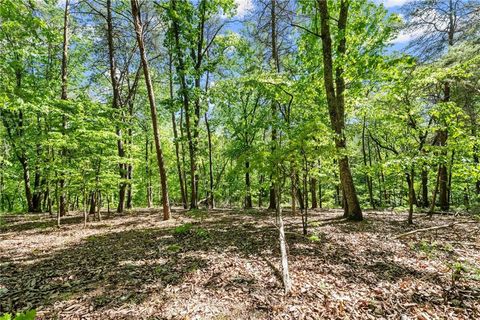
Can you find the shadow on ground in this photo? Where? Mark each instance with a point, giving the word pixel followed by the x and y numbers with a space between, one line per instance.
pixel 126 267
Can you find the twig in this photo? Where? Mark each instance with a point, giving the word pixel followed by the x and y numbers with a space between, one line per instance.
pixel 450 225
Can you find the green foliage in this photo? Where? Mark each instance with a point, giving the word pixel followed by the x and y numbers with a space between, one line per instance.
pixel 426 247
pixel 174 248
pixel 183 230
pixel 27 315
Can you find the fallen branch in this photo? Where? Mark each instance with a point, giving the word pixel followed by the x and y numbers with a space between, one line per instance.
pixel 450 225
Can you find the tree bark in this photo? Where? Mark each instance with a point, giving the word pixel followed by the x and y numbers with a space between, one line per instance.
pixel 425 201
pixel 148 172
pixel 410 179
pixel 26 181
pixel 186 105
pixel 248 190
pixel 287 282
pixel 63 202
pixel 336 103
pixel 276 60
pixel 175 136
pixel 153 109
pixel 367 175
pixel 411 195
pixel 313 190
pixel 114 78
pixel 210 196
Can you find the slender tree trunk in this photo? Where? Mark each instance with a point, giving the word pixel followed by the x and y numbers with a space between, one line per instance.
pixel 130 165
pixel 129 186
pixel 153 109
pixel 287 283
pixel 313 190
pixel 276 60
pixel 443 175
pixel 411 195
pixel 293 189
pixel 320 195
pixel 186 105
pixel 182 139
pixel 248 190
pixel 175 137
pixel 449 188
pixel 425 201
pixel 147 172
pixel 336 102
pixel 85 216
pixel 477 183
pixel 300 194
pixel 410 179
pixel 99 205
pixel 367 175
pixel 26 180
pixel 435 191
pixel 114 78
pixel 210 196
pixel 63 203
pixel 93 203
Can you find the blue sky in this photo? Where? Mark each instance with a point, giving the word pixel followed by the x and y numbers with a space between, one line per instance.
pixel 393 6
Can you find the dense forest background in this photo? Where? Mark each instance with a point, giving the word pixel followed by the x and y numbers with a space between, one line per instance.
pixel 299 103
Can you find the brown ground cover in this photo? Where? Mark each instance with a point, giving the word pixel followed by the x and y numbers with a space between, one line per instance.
pixel 224 265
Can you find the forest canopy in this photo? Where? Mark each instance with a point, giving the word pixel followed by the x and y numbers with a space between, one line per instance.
pixel 313 98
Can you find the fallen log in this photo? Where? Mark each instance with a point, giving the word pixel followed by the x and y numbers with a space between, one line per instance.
pixel 450 225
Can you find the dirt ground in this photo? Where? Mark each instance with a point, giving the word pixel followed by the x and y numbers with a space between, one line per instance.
pixel 224 264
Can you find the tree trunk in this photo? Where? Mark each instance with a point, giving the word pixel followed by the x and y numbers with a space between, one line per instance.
pixel 425 201
pixel 287 283
pixel 476 161
pixel 153 109
pixel 336 103
pixel 435 191
pixel 93 203
pixel 63 203
pixel 114 78
pixel 210 196
pixel 175 136
pixel 410 179
pixel 129 186
pixel 320 195
pixel 148 173
pixel 313 190
pixel 449 187
pixel 248 190
pixel 293 189
pixel 411 195
pixel 367 175
pixel 26 180
pixel 443 171
pixel 276 60
pixel 186 104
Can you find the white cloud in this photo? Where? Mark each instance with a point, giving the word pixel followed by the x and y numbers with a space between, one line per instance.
pixel 404 37
pixel 392 3
pixel 243 6
pixel 425 25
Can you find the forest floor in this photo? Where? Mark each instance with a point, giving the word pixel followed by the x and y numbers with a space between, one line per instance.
pixel 224 265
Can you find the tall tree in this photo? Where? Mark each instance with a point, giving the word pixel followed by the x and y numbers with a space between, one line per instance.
pixel 335 90
pixel 153 108
pixel 63 198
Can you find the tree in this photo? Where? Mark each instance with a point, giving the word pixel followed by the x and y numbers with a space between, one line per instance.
pixel 153 109
pixel 335 88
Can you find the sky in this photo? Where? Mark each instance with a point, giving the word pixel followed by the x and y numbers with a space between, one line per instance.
pixel 393 6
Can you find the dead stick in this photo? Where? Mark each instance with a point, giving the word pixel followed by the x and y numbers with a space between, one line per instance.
pixel 450 225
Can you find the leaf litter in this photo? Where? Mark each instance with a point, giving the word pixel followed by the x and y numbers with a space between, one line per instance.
pixel 225 265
